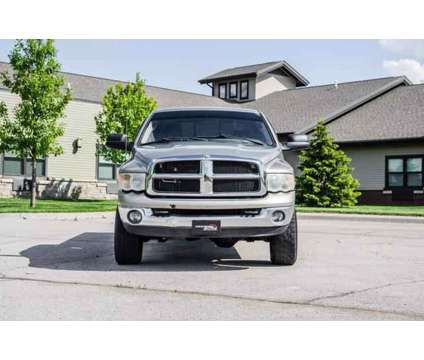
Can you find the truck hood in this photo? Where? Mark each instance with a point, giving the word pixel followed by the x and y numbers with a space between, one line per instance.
pixel 143 156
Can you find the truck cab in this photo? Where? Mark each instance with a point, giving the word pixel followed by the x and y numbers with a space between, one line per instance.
pixel 206 173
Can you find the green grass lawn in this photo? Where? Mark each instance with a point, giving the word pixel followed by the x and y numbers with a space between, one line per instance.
pixel 405 210
pixel 19 205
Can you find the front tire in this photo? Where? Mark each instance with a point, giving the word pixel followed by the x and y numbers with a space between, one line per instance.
pixel 128 247
pixel 283 248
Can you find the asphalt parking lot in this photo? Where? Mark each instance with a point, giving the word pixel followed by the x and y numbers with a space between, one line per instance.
pixel 349 268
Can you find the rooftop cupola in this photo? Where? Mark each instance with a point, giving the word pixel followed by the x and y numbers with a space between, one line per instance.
pixel 251 82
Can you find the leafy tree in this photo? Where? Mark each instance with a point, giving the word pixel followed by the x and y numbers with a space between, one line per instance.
pixel 33 130
pixel 124 108
pixel 326 177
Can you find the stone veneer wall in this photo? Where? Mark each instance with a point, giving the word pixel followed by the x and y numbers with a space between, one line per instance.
pixel 60 189
pixel 6 188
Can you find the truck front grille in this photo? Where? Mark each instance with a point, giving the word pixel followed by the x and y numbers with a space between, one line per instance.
pixel 235 185
pixel 206 177
pixel 176 185
pixel 178 167
pixel 234 167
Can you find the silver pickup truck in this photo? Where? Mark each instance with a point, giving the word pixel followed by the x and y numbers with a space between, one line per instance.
pixel 211 173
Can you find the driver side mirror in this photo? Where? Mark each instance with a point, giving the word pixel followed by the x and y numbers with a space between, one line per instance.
pixel 119 142
pixel 296 142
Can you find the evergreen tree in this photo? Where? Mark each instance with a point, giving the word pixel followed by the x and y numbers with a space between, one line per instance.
pixel 326 178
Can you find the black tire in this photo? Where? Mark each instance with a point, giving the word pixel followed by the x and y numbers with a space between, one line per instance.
pixel 225 243
pixel 128 247
pixel 283 248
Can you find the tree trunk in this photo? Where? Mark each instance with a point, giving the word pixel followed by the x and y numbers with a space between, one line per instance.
pixel 33 183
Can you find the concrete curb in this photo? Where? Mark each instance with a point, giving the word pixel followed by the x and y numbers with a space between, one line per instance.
pixel 59 216
pixel 360 217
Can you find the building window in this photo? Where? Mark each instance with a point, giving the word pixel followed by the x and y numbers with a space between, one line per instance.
pixel 106 170
pixel 13 166
pixel 244 89
pixel 222 91
pixel 404 171
pixel 233 90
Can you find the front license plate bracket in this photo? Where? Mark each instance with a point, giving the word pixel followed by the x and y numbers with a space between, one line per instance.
pixel 204 227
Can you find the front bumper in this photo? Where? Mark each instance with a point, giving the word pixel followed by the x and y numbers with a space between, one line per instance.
pixel 141 200
pixel 240 226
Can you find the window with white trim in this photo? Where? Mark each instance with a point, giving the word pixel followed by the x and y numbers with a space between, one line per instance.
pixel 222 91
pixel 244 89
pixel 233 90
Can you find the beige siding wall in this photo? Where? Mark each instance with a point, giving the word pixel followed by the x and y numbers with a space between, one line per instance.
pixel 272 84
pixel 79 123
pixel 369 162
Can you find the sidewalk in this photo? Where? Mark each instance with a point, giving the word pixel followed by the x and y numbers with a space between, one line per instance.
pixel 59 216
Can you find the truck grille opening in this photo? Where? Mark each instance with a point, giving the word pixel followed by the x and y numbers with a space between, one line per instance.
pixel 176 185
pixel 178 167
pixel 234 167
pixel 206 212
pixel 235 185
pixel 206 177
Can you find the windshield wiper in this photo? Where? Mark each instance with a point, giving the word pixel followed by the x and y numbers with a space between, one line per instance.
pixel 224 136
pixel 169 139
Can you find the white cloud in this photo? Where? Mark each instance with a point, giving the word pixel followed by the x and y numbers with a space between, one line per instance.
pixel 413 48
pixel 409 67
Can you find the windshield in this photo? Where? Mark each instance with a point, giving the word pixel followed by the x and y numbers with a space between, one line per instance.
pixel 196 125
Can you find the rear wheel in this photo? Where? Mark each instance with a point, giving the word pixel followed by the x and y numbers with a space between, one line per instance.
pixel 128 247
pixel 283 248
pixel 225 243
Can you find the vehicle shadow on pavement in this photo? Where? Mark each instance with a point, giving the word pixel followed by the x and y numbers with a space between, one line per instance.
pixel 92 251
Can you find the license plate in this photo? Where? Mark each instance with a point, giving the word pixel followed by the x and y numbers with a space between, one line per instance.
pixel 202 227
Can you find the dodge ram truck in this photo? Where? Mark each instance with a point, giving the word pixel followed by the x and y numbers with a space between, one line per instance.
pixel 206 173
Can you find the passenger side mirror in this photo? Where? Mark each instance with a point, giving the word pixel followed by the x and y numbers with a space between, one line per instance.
pixel 119 142
pixel 296 142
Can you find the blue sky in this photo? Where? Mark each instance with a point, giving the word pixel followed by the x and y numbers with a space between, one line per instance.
pixel 179 64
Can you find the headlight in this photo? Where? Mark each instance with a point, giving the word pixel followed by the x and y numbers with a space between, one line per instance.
pixel 134 182
pixel 280 182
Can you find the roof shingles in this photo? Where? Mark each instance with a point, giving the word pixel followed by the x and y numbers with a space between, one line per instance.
pixel 239 71
pixel 257 70
pixel 90 88
pixel 397 114
pixel 296 109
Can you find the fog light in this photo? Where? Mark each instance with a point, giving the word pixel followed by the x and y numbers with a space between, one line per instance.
pixel 278 216
pixel 134 217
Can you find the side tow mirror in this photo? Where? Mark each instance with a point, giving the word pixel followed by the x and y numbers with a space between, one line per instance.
pixel 296 142
pixel 119 142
